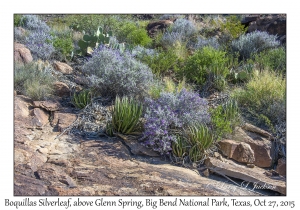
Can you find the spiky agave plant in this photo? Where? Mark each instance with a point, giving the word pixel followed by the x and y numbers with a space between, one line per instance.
pixel 126 115
pixel 201 139
pixel 82 99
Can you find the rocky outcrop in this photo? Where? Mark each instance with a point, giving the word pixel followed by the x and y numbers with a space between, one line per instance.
pixel 63 67
pixel 254 176
pixel 22 55
pixel 63 120
pixel 154 27
pixel 47 163
pixel 273 24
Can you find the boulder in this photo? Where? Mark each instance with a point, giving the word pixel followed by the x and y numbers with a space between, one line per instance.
pixel 63 120
pixel 261 146
pixel 63 67
pixel 243 153
pixel 22 55
pixel 227 147
pixel 154 27
pixel 40 117
pixel 61 89
pixel 281 167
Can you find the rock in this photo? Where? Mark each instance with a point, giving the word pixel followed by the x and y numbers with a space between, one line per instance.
pixel 227 147
pixel 61 89
pixel 254 176
pixel 206 173
pixel 257 130
pixel 43 151
pixel 261 146
pixel 41 117
pixel 63 67
pixel 154 27
pixel 249 165
pixel 81 80
pixel 281 167
pixel 243 153
pixel 273 24
pixel 22 55
pixel 63 120
pixel 47 105
pixel 135 147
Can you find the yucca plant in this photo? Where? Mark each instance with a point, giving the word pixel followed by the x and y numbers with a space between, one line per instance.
pixel 82 99
pixel 126 115
pixel 201 139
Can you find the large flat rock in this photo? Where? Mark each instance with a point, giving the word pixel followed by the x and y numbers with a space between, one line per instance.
pixel 256 176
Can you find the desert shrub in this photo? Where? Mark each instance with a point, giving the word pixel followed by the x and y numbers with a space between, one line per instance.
pixel 233 27
pixel 160 63
pixel 40 44
pixel 134 34
pixel 19 35
pixel 254 42
pixel 201 42
pixel 17 20
pixel 89 23
pixel 225 117
pixel 184 27
pixel 34 23
pixel 33 82
pixel 181 31
pixel 196 65
pixel 112 73
pixel 126 115
pixel 64 45
pixel 274 60
pixel 139 37
pixel 140 51
pixel 169 114
pixel 263 94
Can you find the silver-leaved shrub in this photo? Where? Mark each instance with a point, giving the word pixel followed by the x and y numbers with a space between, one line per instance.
pixel 113 73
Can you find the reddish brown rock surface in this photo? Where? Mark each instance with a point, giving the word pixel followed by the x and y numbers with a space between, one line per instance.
pixel 22 55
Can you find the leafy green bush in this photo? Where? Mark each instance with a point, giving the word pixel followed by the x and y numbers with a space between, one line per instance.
pixel 225 117
pixel 64 45
pixel 262 94
pixel 274 60
pixel 161 63
pixel 196 65
pixel 33 82
pixel 82 99
pixel 126 115
pixel 133 34
pixel 233 27
pixel 17 20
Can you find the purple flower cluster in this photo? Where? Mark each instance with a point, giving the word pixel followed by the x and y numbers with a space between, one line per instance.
pixel 114 73
pixel 169 114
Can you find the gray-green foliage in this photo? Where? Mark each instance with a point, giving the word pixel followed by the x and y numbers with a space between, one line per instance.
pixel 33 82
pixel 255 42
pixel 113 73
